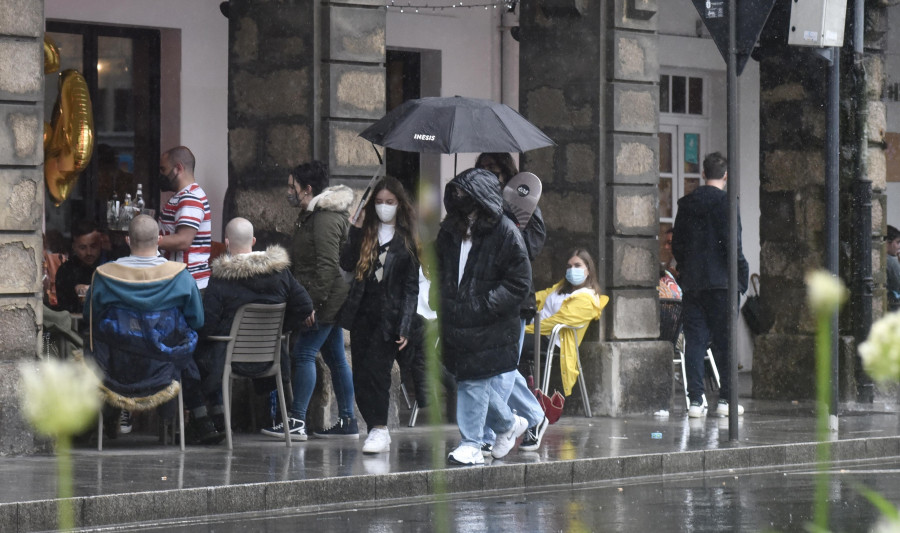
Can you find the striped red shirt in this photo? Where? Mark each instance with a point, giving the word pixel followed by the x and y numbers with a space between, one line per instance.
pixel 189 207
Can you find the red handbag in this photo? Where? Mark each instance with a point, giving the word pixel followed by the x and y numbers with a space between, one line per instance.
pixel 552 405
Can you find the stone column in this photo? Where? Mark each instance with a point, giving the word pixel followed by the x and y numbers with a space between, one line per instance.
pixel 22 195
pixel 792 205
pixel 600 182
pixel 305 77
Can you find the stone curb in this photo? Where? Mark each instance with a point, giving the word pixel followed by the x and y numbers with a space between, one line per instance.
pixel 112 509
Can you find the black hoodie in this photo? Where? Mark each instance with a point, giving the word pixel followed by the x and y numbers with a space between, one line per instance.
pixel 479 314
pixel 700 241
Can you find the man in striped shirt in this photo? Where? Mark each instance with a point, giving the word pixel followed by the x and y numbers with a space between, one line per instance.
pixel 184 222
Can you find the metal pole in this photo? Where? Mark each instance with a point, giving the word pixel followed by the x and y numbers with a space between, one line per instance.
pixel 733 188
pixel 832 206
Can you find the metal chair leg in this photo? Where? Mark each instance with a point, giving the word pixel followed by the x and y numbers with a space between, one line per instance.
pixel 283 405
pixel 181 417
pixel 581 384
pixel 413 414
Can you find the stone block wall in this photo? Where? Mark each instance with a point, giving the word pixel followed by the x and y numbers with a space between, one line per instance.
pixel 600 181
pixel 21 214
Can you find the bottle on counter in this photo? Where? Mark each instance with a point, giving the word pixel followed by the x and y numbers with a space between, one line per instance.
pixel 139 200
pixel 112 211
pixel 125 214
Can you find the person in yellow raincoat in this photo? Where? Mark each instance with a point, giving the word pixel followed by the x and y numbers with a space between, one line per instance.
pixel 573 301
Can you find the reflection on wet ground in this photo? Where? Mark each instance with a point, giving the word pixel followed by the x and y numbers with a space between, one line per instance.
pixel 779 501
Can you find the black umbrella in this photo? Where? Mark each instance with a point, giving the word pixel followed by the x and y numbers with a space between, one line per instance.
pixel 451 125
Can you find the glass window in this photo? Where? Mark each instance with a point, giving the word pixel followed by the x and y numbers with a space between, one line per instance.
pixel 692 153
pixel 664 94
pixel 679 94
pixel 690 185
pixel 665 153
pixel 695 96
pixel 121 68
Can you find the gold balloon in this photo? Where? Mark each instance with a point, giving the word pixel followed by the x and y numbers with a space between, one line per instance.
pixel 51 56
pixel 71 139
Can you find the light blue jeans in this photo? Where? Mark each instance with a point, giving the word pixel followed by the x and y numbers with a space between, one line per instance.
pixel 478 405
pixel 513 388
pixel 329 339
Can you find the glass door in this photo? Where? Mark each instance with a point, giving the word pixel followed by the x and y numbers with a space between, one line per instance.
pixel 681 151
pixel 121 68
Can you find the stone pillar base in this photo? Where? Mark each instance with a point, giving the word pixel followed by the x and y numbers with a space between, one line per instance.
pixel 625 377
pixel 784 367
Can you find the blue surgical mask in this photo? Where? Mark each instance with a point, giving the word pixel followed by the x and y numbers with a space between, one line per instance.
pixel 575 276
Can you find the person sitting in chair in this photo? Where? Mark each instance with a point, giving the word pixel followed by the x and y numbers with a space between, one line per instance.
pixel 240 277
pixel 573 301
pixel 142 312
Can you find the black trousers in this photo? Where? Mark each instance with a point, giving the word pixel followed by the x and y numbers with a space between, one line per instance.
pixel 373 359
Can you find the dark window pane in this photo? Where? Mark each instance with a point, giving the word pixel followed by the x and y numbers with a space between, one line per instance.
pixel 679 94
pixel 665 153
pixel 695 96
pixel 664 94
pixel 690 185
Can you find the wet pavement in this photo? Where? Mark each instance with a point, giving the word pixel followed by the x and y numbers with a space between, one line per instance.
pixel 135 479
pixel 780 501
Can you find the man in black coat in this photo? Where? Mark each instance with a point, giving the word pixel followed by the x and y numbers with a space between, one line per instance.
pixel 241 277
pixel 484 276
pixel 700 245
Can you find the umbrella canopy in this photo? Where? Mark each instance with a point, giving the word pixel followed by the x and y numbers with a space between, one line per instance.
pixel 451 125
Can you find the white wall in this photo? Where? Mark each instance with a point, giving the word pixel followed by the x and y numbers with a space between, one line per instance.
pixel 203 76
pixel 469 42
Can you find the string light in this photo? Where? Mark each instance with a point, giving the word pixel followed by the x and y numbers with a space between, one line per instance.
pixel 509 5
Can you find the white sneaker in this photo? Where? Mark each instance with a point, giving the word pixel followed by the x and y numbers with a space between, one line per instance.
pixel 507 441
pixel 722 409
pixel 466 455
pixel 696 410
pixel 378 441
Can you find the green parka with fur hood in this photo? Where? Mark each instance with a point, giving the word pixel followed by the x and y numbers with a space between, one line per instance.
pixel 319 235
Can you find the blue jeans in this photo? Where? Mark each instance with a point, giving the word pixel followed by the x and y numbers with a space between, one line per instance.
pixel 329 339
pixel 478 405
pixel 705 317
pixel 513 388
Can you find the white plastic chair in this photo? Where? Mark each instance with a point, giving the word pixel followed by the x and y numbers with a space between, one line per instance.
pixel 679 360
pixel 255 338
pixel 554 336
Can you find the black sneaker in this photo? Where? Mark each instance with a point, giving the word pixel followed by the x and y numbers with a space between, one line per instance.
pixel 296 428
pixel 486 449
pixel 533 436
pixel 344 428
pixel 219 421
pixel 125 422
pixel 202 431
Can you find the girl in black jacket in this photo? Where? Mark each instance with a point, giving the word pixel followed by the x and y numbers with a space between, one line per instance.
pixel 382 255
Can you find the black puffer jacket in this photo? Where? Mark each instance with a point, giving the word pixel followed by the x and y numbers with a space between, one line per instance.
pixel 480 313
pixel 700 241
pixel 400 284
pixel 256 277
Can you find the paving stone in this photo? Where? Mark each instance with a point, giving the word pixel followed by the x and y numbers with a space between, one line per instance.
pixel 642 465
pixel 726 459
pixel 400 485
pixel 9 516
pixel 543 474
pixel 767 456
pixel 456 479
pixel 237 498
pixel 601 469
pixel 798 454
pixel 882 447
pixel 682 462
pixel 507 476
pixel 843 450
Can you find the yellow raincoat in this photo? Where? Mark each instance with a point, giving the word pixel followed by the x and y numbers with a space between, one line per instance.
pixel 578 309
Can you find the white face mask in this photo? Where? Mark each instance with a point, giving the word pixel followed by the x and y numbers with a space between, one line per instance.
pixel 386 212
pixel 575 276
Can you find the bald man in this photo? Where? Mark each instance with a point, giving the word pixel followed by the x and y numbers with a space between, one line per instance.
pixel 139 293
pixel 240 277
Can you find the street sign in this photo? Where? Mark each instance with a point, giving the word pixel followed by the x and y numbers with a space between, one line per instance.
pixel 751 17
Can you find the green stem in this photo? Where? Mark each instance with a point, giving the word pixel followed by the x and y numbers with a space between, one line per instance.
pixel 66 516
pixel 823 401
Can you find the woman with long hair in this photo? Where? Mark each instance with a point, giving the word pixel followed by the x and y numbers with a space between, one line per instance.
pixel 382 256
pixel 574 300
pixel 320 233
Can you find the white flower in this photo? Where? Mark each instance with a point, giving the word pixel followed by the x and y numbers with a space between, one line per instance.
pixel 824 292
pixel 881 352
pixel 58 397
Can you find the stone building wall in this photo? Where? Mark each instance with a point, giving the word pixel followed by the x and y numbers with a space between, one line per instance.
pixel 305 77
pixel 21 212
pixel 792 219
pixel 589 74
